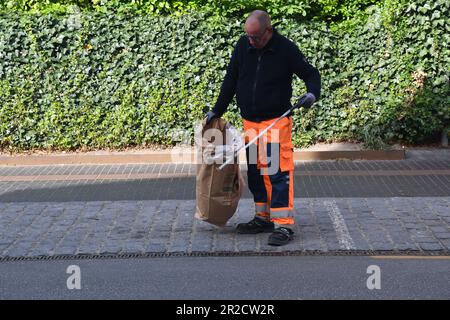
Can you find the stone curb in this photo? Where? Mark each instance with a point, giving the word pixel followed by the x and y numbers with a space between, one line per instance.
pixel 177 156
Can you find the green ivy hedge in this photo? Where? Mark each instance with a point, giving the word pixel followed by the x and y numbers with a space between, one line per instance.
pixel 323 10
pixel 89 80
pixel 392 83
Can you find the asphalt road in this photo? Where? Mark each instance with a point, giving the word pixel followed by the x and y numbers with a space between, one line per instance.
pixel 224 278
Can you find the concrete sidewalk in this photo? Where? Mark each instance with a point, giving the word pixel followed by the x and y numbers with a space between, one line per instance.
pixel 424 176
pixel 355 207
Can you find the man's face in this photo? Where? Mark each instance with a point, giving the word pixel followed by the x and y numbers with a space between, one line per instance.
pixel 258 37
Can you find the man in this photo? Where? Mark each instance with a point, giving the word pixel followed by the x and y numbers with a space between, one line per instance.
pixel 260 74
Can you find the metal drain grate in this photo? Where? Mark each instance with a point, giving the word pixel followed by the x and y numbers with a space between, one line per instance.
pixel 225 254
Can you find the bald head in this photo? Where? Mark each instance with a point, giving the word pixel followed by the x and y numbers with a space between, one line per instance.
pixel 258 28
pixel 260 18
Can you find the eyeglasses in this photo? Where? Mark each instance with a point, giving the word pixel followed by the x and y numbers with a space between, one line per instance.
pixel 256 38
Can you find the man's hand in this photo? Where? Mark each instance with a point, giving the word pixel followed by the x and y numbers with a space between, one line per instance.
pixel 306 100
pixel 210 115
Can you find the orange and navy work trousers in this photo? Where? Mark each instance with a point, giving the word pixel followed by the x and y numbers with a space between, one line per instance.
pixel 270 163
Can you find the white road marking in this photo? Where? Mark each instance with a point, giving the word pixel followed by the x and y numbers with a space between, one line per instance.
pixel 343 236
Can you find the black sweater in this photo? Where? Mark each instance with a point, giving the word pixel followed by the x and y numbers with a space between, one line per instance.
pixel 262 79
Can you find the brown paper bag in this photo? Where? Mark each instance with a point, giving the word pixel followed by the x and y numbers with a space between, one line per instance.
pixel 218 191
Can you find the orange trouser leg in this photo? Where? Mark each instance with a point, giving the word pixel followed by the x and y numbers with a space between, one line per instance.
pixel 272 188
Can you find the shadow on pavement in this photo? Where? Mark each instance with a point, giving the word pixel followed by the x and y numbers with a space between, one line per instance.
pixel 183 188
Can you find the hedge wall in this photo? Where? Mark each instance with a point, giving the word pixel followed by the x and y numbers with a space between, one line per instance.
pixel 89 80
pixel 323 10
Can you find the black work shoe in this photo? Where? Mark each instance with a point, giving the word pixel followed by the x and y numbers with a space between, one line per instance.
pixel 256 225
pixel 280 236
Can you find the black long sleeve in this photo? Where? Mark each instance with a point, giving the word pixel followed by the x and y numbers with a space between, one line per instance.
pixel 228 88
pixel 262 79
pixel 305 71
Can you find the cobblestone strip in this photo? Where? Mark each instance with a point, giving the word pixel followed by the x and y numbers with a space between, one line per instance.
pixel 181 227
pixel 25 231
pixel 389 229
pixel 107 246
pixel 159 233
pixel 47 239
pixel 407 211
pixel 10 217
pixel 97 227
pixel 70 230
pixel 93 234
pixel 150 211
